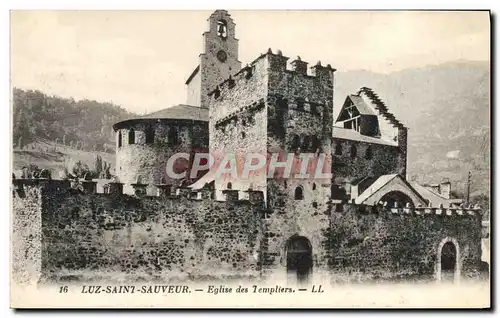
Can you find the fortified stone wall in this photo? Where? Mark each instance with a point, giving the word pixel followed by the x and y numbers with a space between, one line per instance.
pixel 59 232
pixel 354 243
pixel 243 89
pixel 300 105
pixel 378 242
pixel 238 119
pixel 26 235
pixel 168 237
pixel 353 160
pixel 149 160
pixel 288 216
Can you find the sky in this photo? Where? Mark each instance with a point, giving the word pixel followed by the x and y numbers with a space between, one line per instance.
pixel 140 60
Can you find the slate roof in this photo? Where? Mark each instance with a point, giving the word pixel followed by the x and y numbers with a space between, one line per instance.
pixel 360 104
pixel 433 197
pixel 380 183
pixel 180 112
pixel 183 112
pixel 350 134
pixel 377 185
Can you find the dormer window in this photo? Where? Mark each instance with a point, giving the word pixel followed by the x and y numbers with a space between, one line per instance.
pixel 222 29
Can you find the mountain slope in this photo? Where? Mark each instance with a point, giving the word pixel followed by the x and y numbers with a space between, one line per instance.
pixel 84 125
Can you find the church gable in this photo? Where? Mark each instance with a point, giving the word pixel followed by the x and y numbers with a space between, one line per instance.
pixel 367 114
pixel 359 116
pixel 392 190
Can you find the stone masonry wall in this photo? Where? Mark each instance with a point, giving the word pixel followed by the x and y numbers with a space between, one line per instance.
pixel 362 243
pixel 369 243
pixel 300 105
pixel 380 160
pixel 287 217
pixel 26 235
pixel 60 233
pixel 162 237
pixel 238 119
pixel 149 160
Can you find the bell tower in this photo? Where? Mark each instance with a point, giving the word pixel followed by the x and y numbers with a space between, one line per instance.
pixel 218 61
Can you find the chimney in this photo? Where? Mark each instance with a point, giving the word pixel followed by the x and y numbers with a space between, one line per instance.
pixel 445 189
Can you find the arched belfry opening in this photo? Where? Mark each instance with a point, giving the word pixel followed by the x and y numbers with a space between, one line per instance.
pixel 222 28
pixel 299 261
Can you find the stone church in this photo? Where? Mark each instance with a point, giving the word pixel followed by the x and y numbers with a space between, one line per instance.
pixel 365 222
pixel 274 104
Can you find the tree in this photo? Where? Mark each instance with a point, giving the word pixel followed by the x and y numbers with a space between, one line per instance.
pixel 80 170
pixel 98 165
pixel 106 174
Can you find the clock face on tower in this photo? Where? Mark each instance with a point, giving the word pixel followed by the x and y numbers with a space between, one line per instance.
pixel 221 56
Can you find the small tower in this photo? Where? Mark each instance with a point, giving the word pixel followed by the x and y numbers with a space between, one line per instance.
pixel 218 61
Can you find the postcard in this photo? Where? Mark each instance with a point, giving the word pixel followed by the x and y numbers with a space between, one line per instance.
pixel 250 159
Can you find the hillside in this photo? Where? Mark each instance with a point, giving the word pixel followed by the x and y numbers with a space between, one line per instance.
pixel 446 108
pixel 52 132
pixel 46 154
pixel 82 125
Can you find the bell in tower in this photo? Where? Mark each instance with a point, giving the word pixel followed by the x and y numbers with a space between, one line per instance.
pixel 218 61
pixel 222 29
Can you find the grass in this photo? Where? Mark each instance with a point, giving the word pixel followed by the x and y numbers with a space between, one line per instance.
pixel 49 155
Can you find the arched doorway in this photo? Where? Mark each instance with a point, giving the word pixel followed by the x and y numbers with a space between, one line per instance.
pixel 448 261
pixel 398 197
pixel 299 261
pixel 448 269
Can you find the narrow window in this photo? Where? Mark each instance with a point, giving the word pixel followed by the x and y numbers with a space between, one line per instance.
pixel 314 186
pixel 282 103
pixel 315 143
pixel 120 139
pixel 295 142
pixel 368 153
pixel 354 151
pixel 150 135
pixel 131 136
pixel 300 104
pixel 313 108
pixel 299 193
pixel 306 142
pixel 173 136
pixel 338 148
pixel 229 186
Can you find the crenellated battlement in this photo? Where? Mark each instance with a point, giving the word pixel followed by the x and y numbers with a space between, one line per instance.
pixel 270 61
pixel 278 62
pixel 20 188
pixel 471 210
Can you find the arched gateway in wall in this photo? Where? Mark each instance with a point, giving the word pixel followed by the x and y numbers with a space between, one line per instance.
pixel 299 262
pixel 448 265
